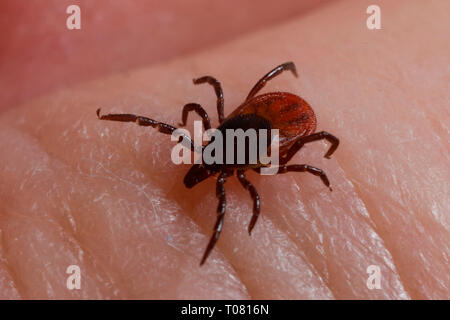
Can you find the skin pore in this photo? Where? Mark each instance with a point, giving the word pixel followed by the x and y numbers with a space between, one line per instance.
pixel 106 197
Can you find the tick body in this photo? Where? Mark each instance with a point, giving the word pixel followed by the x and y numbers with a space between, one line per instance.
pixel 290 114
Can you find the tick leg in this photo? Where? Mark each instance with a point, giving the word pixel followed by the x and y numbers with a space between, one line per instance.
pixel 143 121
pixel 199 110
pixel 312 137
pixel 220 193
pixel 306 168
pixel 262 82
pixel 255 197
pixel 219 93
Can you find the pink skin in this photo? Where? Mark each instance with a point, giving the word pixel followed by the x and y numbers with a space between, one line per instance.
pixel 116 37
pixel 106 197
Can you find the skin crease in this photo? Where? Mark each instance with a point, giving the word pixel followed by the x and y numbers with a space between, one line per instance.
pixel 106 197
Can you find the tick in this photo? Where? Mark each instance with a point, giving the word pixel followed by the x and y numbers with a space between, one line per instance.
pixel 290 114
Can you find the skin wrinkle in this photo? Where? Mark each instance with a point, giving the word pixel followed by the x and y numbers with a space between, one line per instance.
pixel 386 243
pixel 118 277
pixel 88 255
pixel 319 272
pixel 227 257
pixel 14 279
pixel 328 247
pixel 368 221
pixel 148 198
pixel 373 225
pixel 303 256
pixel 72 237
pixel 400 270
pixel 397 210
pixel 86 251
pixel 231 197
pixel 310 262
pixel 180 203
pixel 235 270
pixel 402 207
pixel 326 251
pixel 8 269
pixel 345 169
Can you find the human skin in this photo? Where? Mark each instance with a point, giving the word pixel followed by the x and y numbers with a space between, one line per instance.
pixel 116 36
pixel 106 197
